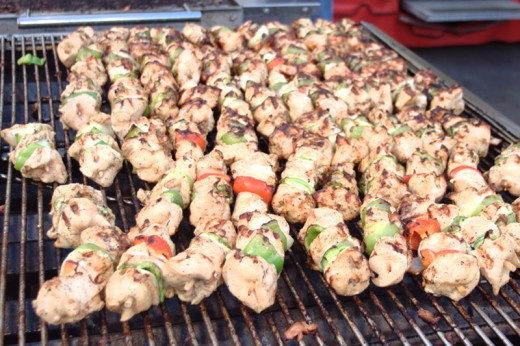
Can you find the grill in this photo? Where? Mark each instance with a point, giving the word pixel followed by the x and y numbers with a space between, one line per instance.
pixel 28 258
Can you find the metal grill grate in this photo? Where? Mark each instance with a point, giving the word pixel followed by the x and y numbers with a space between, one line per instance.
pixel 28 258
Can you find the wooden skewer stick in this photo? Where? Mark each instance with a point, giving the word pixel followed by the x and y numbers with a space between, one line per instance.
pixel 509 266
pixel 462 290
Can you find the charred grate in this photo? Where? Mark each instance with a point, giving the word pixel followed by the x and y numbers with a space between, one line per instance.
pixel 28 258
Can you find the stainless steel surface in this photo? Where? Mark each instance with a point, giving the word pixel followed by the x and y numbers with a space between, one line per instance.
pixel 283 11
pixel 463 11
pixel 106 18
pixel 27 258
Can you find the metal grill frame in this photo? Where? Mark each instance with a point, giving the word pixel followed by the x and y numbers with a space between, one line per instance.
pixel 28 258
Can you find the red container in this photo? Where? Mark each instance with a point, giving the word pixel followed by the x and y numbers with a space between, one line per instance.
pixel 413 32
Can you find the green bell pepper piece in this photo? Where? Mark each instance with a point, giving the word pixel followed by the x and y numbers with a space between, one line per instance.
pixel 299 184
pixel 260 246
pixel 92 94
pixel 275 228
pixel 332 253
pixel 399 130
pixel 175 197
pixel 376 203
pixel 134 131
pixel 151 268
pixel 215 238
pixel 26 153
pixel 84 52
pixel 29 59
pixel 312 232
pixel 356 131
pixel 487 201
pixel 230 138
pixel 93 247
pixel 376 232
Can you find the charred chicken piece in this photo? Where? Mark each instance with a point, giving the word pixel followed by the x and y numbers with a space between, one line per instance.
pixel 34 154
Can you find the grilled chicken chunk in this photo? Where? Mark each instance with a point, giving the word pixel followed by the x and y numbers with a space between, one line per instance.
pixel 196 272
pixel 505 174
pixel 68 47
pixel 34 154
pixel 99 156
pixel 147 148
pixel 75 208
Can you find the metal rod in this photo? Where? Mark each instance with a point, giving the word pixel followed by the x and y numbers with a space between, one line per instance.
pixel 7 205
pixel 23 225
pixel 107 18
pixel 501 311
pixel 409 318
pixel 490 323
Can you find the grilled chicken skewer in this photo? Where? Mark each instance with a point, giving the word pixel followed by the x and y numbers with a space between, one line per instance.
pixel 147 147
pixel 97 152
pixel 34 154
pixel 505 174
pixel 262 238
pixel 77 291
pixel 74 208
pixel 334 252
pixel 138 282
pixel 69 47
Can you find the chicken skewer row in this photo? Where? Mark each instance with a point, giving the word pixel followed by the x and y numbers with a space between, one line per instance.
pixel 127 97
pixel 505 173
pixel 147 147
pixel 294 197
pixel 252 268
pixel 97 151
pixel 484 219
pixel 74 208
pixel 138 283
pixel 78 289
pixel 155 73
pixel 34 154
pixel 197 272
pixel 69 48
pixel 334 252
pixel 387 248
pixel 81 100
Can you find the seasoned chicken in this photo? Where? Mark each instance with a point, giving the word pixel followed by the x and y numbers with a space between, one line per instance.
pixel 110 239
pixel 147 148
pixel 70 45
pixel 75 208
pixel 97 152
pixel 34 154
pixel 80 101
pixel 505 174
pixel 453 275
pixel 251 279
pixel 196 272
pixel 389 261
pixel 138 282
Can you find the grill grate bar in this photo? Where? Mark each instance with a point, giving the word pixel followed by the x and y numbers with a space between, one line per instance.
pixel 23 224
pixel 415 302
pixel 510 301
pixel 515 286
pixel 168 325
pixel 41 252
pixel 314 295
pixel 344 313
pixel 7 205
pixel 497 307
pixel 225 313
pixel 250 325
pixel 300 304
pixel 465 314
pixel 409 318
pixel 285 312
pixel 445 316
pixel 389 319
pixel 490 323
pixel 274 329
pixel 207 322
pixel 189 325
